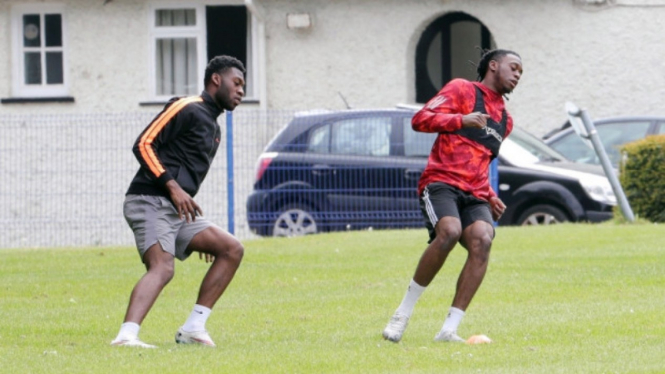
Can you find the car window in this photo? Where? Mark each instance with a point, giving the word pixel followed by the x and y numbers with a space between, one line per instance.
pixel 612 135
pixel 369 136
pixel 319 140
pixel 661 130
pixel 522 148
pixel 574 148
pixel 416 144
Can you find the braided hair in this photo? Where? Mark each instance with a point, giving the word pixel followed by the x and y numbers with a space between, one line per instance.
pixel 489 55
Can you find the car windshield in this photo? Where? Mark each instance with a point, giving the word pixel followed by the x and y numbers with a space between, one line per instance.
pixel 522 148
pixel 612 135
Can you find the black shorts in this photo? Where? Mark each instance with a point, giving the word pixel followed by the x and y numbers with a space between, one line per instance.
pixel 440 200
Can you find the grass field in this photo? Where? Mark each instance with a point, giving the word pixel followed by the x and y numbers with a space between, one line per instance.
pixel 561 299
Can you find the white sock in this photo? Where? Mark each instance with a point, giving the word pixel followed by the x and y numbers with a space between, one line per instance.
pixel 453 319
pixel 410 298
pixel 197 319
pixel 128 331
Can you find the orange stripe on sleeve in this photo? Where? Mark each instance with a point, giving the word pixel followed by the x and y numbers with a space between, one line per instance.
pixel 145 144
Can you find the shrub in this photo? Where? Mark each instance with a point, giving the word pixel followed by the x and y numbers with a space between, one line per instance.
pixel 643 177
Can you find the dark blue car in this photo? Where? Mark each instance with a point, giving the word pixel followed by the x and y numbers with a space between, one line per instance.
pixel 358 169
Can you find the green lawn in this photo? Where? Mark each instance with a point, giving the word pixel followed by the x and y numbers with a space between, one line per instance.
pixel 561 299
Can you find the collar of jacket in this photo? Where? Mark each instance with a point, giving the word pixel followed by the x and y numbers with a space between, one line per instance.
pixel 211 104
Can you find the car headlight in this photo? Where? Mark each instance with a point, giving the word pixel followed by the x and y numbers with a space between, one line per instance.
pixel 599 189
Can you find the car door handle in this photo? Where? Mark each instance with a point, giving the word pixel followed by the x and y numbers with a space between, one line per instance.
pixel 412 173
pixel 322 169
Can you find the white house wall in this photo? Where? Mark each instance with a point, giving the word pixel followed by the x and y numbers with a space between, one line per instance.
pixel 608 61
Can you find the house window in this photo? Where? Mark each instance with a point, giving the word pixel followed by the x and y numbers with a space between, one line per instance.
pixel 177 51
pixel 39 58
pixel 184 39
pixel 445 49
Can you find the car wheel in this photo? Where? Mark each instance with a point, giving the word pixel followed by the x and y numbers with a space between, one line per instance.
pixel 542 215
pixel 294 221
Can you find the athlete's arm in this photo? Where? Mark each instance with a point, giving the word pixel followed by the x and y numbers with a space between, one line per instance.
pixel 185 205
pixel 445 112
pixel 168 125
pixel 475 119
pixel 497 207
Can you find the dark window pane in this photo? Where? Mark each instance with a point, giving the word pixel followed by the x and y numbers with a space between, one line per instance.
pixel 54 68
pixel 33 68
pixel 53 29
pixel 227 31
pixel 444 49
pixel 31 30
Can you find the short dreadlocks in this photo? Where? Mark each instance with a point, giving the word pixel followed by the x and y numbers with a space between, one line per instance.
pixel 489 55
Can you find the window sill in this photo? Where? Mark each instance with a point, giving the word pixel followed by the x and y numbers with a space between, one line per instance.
pixel 162 103
pixel 153 103
pixel 27 100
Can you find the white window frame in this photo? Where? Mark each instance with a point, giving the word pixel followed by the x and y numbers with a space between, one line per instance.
pixel 253 53
pixel 19 88
pixel 199 31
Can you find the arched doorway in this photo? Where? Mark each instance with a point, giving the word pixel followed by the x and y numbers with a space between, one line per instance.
pixel 445 49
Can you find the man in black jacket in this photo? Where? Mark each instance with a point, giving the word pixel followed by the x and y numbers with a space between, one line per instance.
pixel 175 152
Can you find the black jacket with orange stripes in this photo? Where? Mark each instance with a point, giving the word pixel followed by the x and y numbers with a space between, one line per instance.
pixel 180 143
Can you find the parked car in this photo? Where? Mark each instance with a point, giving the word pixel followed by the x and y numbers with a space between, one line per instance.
pixel 359 169
pixel 613 133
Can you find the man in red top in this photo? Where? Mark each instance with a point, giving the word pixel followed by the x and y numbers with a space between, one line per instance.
pixel 455 195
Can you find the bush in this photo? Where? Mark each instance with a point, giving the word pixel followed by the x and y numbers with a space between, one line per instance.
pixel 642 177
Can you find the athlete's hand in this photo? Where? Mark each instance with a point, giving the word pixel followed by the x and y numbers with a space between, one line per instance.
pixel 475 119
pixel 186 206
pixel 208 256
pixel 497 207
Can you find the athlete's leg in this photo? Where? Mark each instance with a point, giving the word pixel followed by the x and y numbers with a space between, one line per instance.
pixel 477 239
pixel 227 252
pixel 448 231
pixel 160 270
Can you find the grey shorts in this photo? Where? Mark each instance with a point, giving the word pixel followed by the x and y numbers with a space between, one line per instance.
pixel 154 219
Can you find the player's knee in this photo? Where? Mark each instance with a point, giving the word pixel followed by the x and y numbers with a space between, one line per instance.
pixel 445 243
pixel 164 270
pixel 231 251
pixel 479 248
pixel 449 233
pixel 236 252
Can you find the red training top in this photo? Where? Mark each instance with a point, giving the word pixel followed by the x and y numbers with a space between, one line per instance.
pixel 460 156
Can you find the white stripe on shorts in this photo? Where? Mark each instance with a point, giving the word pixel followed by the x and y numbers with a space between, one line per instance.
pixel 429 208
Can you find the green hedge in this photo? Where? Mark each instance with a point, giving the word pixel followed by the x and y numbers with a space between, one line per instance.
pixel 643 177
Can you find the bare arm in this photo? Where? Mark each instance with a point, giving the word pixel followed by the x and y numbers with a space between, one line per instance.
pixel 185 205
pixel 497 207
